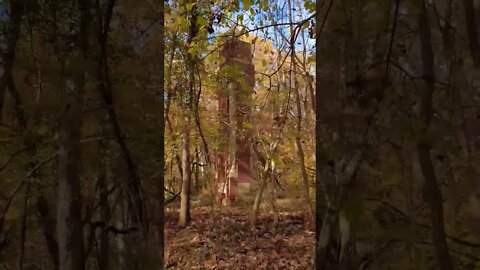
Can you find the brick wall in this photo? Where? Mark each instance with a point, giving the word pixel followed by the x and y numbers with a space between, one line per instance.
pixel 237 53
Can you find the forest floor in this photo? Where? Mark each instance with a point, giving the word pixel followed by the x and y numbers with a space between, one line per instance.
pixel 224 239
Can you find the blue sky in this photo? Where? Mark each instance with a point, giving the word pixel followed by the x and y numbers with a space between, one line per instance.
pixel 280 15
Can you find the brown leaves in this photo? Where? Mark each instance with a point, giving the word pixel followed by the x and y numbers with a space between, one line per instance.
pixel 226 241
pixel 210 263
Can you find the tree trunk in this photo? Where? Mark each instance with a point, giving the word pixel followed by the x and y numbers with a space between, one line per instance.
pixel 472 31
pixel 8 58
pixel 23 228
pixel 184 217
pixel 298 122
pixel 159 213
pixel 273 201
pixel 123 258
pixel 431 187
pixel 136 205
pixel 318 164
pixel 104 250
pixel 196 171
pixel 258 199
pixel 69 220
pixel 232 143
pixel 324 238
pixel 48 228
pixel 169 90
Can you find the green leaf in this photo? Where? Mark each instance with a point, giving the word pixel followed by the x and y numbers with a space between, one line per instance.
pixel 263 5
pixel 240 18
pixel 190 6
pixel 310 6
pixel 248 125
pixel 276 159
pixel 192 50
pixel 264 62
pixel 183 22
pixel 201 21
pixel 247 4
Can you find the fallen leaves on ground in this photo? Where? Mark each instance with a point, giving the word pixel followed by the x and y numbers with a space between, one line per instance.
pixel 224 239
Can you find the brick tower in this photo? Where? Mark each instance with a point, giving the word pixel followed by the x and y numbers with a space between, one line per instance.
pixel 235 180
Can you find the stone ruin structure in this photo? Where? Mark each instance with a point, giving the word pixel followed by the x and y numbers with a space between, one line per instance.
pixel 233 181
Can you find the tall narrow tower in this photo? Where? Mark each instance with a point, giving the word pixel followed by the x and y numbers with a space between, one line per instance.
pixel 233 162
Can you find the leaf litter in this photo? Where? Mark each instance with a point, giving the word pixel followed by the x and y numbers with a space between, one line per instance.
pixel 224 239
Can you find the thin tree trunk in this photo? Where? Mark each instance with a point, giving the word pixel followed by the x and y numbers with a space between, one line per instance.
pixel 184 217
pixel 69 220
pixel 462 98
pixel 123 261
pixel 104 251
pixel 232 142
pixel 431 186
pixel 169 90
pixel 319 187
pixel 136 208
pixel 197 170
pixel 273 201
pixel 23 228
pixel 105 89
pixel 8 58
pixel 472 31
pixel 170 128
pixel 298 122
pixel 18 105
pixel 258 199
pixel 159 233
pixel 263 184
pixel 48 227
pixel 17 10
pixel 324 239
pixel 328 220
